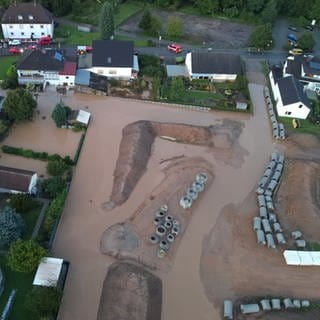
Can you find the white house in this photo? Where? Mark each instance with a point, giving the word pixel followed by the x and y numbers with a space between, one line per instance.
pixel 111 58
pixel 17 181
pixel 291 100
pixel 28 20
pixel 213 66
pixel 46 67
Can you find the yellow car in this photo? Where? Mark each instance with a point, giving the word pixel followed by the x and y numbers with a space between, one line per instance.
pixel 296 51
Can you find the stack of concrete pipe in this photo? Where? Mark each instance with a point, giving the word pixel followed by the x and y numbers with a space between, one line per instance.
pixel 266 226
pixel 166 230
pixel 278 131
pixel 274 304
pixel 192 192
pixel 297 235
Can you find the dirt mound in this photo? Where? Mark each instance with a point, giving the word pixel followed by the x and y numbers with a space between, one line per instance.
pixel 130 292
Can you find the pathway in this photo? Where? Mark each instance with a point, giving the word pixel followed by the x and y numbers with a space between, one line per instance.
pixel 45 203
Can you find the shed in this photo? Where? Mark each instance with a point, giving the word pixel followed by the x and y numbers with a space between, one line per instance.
pixel 79 116
pixel 228 309
pixel 49 272
pixel 249 308
pixel 241 102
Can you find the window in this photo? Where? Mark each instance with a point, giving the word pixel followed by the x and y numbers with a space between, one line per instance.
pixel 112 71
pixel 31 27
pixel 42 33
pixel 22 33
pixel 11 33
pixel 41 26
pixel 67 77
pixel 30 17
pixel 300 106
pixel 20 17
pixel 10 27
pixel 288 113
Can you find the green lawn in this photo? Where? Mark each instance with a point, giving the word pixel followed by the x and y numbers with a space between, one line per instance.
pixel 30 219
pixel 5 63
pixel 20 281
pixel 126 10
pixel 305 126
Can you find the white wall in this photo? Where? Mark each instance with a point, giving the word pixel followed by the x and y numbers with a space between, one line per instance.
pixel 295 110
pixel 214 76
pixel 33 182
pixel 312 76
pixel 117 73
pixel 188 62
pixel 24 31
pixel 69 80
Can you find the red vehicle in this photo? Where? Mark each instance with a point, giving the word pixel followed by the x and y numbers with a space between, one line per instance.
pixel 175 48
pixel 32 47
pixel 84 49
pixel 15 50
pixel 45 41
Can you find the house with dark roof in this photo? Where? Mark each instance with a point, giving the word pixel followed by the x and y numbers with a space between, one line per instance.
pixel 289 95
pixel 27 20
pixel 46 67
pixel 217 67
pixel 17 181
pixel 111 58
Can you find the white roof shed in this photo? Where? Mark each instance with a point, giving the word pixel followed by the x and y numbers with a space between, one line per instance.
pixel 83 117
pixel 48 272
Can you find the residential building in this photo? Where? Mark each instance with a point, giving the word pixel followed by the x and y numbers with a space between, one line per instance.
pixel 288 92
pixel 46 67
pixel 213 66
pixel 17 181
pixel 111 58
pixel 28 20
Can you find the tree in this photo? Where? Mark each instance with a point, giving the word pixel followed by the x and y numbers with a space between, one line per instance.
pixel 176 89
pixel 306 42
pixel 255 6
pixel 59 115
pixel 53 186
pixel 22 202
pixel 261 37
pixel 207 7
pixel 155 27
pixel 11 79
pixel 25 255
pixel 56 167
pixel 106 21
pixel 174 28
pixel 145 22
pixel 270 12
pixel 19 105
pixel 61 7
pixel 44 302
pixel 11 226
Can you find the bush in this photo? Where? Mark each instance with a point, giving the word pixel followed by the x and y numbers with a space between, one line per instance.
pixel 76 157
pixel 11 226
pixel 52 186
pixel 22 202
pixel 56 167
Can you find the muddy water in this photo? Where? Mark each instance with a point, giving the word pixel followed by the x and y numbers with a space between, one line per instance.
pixel 84 220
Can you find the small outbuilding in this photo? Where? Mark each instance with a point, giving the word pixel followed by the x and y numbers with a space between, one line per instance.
pixel 79 116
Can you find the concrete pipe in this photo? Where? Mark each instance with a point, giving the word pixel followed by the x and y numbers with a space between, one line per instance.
pixel 274 156
pixel 296 234
pixel 266 225
pixel 296 303
pixel 175 230
pixel 279 167
pixel 261 201
pixel 185 202
pixel 272 217
pixel 256 223
pixel 161 231
pixel 263 181
pixel 175 223
pixel 280 238
pixel 249 308
pixel 270 241
pixel 259 190
pixel 161 253
pixel 270 206
pixel 305 303
pixel 168 225
pixel 275 133
pixel 228 309
pixel 168 218
pixel 276 304
pixel 271 164
pixel 267 173
pixel 281 159
pixel 154 239
pixel 273 118
pixel 265 304
pixel 202 177
pixel 198 186
pixel 164 245
pixel 288 303
pixel 263 212
pixel 157 221
pixel 160 213
pixel 301 243
pixel 192 193
pixel 261 237
pixel 276 176
pixel 277 227
pixel 170 237
pixel 164 208
pixel 268 193
pixel 272 186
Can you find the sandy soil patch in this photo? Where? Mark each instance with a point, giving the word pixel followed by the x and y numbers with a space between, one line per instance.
pixel 214 32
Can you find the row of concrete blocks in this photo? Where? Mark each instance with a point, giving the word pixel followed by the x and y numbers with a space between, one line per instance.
pixel 278 131
pixel 266 305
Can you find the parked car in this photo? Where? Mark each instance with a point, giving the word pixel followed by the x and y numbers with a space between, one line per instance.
pixel 293 28
pixel 14 42
pixel 296 51
pixel 176 48
pixel 310 28
pixel 32 47
pixel 45 41
pixel 84 49
pixel 15 50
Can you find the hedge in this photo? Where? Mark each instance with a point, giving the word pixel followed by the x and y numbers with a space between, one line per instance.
pixel 27 153
pixel 76 157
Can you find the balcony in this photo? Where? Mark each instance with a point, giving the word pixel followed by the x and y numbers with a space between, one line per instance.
pixel 31 79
